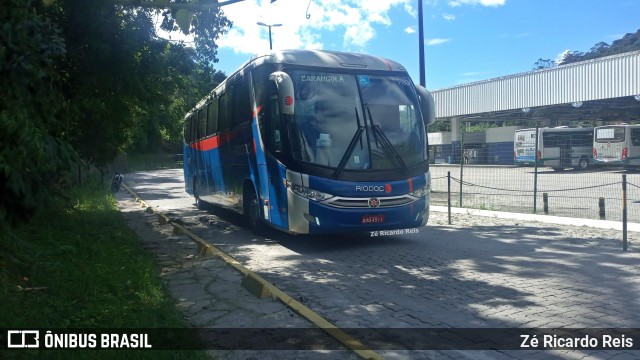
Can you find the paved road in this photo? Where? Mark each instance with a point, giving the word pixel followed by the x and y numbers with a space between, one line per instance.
pixel 477 273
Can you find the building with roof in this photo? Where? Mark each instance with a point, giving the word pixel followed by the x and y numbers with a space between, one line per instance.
pixel 603 90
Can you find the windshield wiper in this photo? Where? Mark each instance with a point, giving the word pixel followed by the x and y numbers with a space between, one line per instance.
pixel 351 147
pixel 386 144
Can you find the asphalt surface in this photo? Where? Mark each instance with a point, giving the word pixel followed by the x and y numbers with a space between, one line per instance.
pixel 482 272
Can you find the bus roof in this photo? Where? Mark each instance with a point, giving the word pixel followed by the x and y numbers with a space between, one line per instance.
pixel 328 59
pixel 313 58
pixel 566 129
pixel 619 125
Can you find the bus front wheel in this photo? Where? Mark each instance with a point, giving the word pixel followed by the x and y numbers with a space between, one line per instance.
pixel 252 210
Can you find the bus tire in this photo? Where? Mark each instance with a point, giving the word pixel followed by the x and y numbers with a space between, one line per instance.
pixel 583 163
pixel 252 210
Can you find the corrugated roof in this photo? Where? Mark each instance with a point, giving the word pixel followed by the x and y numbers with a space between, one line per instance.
pixel 603 78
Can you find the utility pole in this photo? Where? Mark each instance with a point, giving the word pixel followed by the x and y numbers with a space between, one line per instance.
pixel 421 43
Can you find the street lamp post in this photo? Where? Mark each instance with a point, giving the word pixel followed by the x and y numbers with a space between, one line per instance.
pixel 421 44
pixel 269 26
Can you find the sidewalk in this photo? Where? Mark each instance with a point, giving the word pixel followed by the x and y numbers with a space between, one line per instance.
pixel 209 292
pixel 601 224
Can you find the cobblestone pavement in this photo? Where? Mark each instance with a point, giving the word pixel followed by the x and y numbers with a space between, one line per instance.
pixel 479 272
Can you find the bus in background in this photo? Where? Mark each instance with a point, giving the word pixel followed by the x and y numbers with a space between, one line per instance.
pixel 524 147
pixel 617 145
pixel 563 147
pixel 310 141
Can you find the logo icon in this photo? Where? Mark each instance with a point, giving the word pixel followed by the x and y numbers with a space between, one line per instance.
pixel 20 339
pixel 387 188
pixel 288 100
pixel 374 202
pixel 364 80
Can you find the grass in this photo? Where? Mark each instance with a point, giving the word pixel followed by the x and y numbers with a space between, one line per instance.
pixel 82 267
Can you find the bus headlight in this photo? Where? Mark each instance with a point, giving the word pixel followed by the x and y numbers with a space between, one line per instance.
pixel 421 192
pixel 305 192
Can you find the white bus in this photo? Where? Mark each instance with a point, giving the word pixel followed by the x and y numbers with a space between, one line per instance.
pixel 617 145
pixel 524 147
pixel 562 147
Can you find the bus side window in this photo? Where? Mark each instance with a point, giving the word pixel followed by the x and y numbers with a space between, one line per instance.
pixel 635 137
pixel 202 123
pixel 276 124
pixel 212 117
pixel 241 103
pixel 224 112
pixel 192 128
pixel 582 138
pixel 187 130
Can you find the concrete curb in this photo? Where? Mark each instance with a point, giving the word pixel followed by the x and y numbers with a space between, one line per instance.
pixel 206 249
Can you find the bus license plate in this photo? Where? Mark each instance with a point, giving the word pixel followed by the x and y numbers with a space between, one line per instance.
pixel 372 219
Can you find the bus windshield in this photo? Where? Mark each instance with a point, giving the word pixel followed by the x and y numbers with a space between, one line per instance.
pixel 356 122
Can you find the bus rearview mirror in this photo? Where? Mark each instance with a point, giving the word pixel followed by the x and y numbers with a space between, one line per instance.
pixel 427 105
pixel 286 93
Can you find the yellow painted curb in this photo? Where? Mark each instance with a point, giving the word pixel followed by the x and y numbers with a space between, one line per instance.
pixel 205 248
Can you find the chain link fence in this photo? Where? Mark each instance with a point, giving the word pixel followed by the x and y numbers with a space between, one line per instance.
pixel 564 181
pixel 595 194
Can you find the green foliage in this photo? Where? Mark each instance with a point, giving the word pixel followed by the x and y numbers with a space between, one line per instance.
pixel 89 79
pixel 33 152
pixel 543 64
pixel 206 25
pixel 130 89
pixel 59 272
pixel 439 126
pixel 629 42
pixel 478 127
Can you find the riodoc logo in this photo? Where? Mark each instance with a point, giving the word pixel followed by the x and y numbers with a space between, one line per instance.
pixel 21 339
pixel 374 188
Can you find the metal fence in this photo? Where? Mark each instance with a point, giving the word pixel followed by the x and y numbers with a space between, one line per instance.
pixel 594 193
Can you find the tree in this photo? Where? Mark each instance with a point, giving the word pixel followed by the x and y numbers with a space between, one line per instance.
pixel 570 57
pixel 129 89
pixel 206 25
pixel 87 78
pixel 629 42
pixel 34 153
pixel 599 48
pixel 544 64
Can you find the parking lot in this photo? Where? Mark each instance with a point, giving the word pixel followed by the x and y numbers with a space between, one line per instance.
pixel 508 188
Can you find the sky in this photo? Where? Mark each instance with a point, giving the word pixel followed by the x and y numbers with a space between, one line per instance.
pixel 465 40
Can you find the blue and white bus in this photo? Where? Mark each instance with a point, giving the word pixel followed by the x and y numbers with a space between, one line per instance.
pixel 310 141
